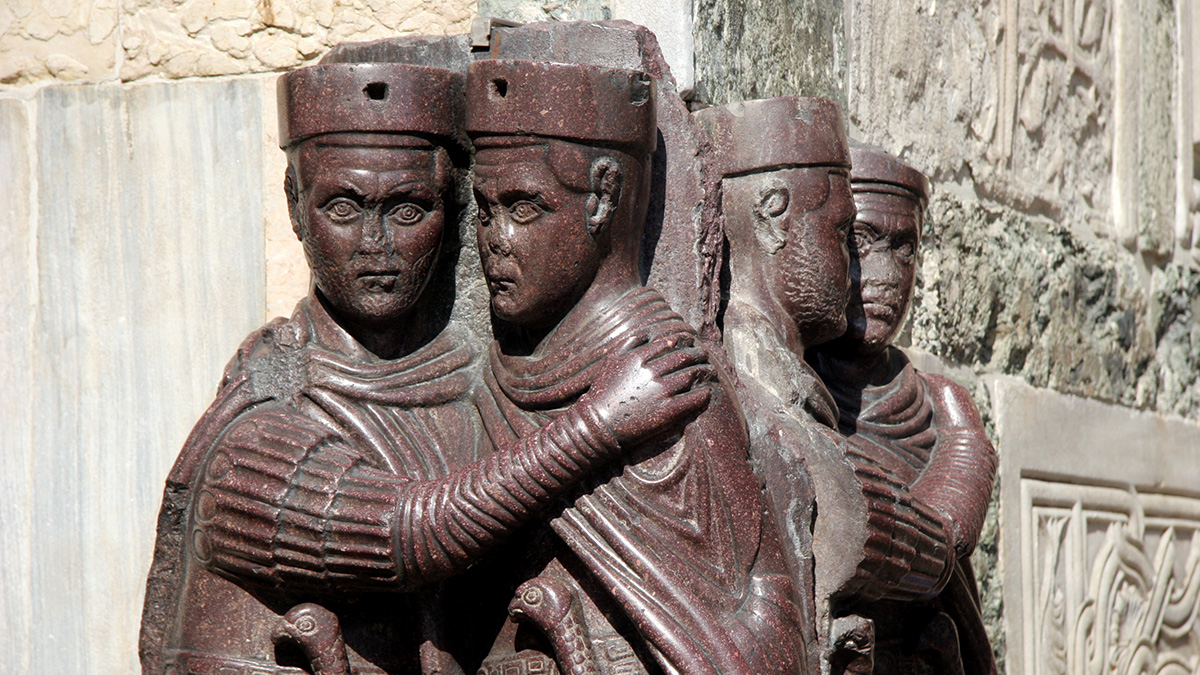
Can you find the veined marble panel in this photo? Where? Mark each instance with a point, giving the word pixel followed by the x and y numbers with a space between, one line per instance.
pixel 1100 536
pixel 16 440
pixel 149 272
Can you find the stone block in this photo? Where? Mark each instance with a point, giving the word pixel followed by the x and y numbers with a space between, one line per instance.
pixel 671 23
pixel 747 50
pixel 1100 534
pixel 530 12
pixel 149 271
pixel 287 275
pixel 17 277
pixel 64 41
pixel 227 37
pixel 1014 98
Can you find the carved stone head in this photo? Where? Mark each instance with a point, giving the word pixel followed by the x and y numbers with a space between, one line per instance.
pixel 787 209
pixel 561 179
pixel 891 198
pixel 369 176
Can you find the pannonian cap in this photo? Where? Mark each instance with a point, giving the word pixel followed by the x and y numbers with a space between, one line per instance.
pixel 875 170
pixel 776 133
pixel 612 107
pixel 369 97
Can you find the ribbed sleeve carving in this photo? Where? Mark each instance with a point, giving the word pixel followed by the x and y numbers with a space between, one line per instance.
pixel 447 523
pixel 286 502
pixel 958 483
pixel 908 554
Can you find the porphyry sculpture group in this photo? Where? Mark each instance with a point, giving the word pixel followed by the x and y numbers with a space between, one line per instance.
pixel 601 489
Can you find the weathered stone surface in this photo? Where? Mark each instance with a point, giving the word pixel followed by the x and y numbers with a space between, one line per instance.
pixel 1014 100
pixel 218 37
pixel 139 270
pixel 671 23
pixel 131 39
pixel 1101 524
pixel 1144 127
pixel 669 20
pixel 1010 293
pixel 529 12
pixel 16 403
pixel 42 39
pixel 771 48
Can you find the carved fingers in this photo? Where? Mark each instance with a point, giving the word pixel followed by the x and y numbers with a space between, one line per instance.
pixel 649 386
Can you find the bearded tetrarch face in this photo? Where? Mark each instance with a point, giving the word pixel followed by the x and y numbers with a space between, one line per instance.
pixel 371 217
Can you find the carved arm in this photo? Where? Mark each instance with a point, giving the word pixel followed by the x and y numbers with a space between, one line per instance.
pixel 957 483
pixel 285 501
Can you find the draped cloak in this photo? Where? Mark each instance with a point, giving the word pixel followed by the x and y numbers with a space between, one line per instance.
pixel 676 535
pixel 898 425
pixel 297 386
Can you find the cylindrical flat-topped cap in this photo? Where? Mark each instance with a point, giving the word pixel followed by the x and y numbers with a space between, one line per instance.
pixel 876 170
pixel 612 107
pixel 776 133
pixel 369 97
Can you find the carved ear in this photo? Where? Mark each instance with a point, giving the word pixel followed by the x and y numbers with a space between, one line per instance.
pixel 293 201
pixel 606 180
pixel 770 226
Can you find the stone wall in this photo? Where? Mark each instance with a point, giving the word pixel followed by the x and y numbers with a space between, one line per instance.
pixel 1062 240
pixel 148 233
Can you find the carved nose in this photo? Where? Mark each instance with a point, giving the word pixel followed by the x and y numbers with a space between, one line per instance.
pixel 501 247
pixel 374 235
pixel 499 241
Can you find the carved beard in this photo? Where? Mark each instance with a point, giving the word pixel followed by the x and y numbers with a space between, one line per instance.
pixel 364 298
pixel 810 298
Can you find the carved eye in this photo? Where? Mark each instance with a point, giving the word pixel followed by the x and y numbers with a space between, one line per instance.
pixel 862 239
pixel 905 249
pixel 407 214
pixel 525 212
pixel 342 210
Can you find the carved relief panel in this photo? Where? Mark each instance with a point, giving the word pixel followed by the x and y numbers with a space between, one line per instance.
pixel 1113 578
pixel 1100 536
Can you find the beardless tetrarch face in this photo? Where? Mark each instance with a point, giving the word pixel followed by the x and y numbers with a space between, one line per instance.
pixel 370 212
pixel 538 252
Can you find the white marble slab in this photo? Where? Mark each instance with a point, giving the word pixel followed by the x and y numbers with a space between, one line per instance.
pixel 16 411
pixel 149 273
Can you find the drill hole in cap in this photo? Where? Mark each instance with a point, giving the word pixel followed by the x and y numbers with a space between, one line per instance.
pixel 376 91
pixel 500 86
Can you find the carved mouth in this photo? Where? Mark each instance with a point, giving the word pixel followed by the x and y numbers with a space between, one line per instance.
pixel 500 282
pixel 500 285
pixel 879 310
pixel 382 280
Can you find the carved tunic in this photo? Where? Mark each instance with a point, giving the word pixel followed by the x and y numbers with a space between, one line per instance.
pixel 917 440
pixel 322 474
pixel 675 535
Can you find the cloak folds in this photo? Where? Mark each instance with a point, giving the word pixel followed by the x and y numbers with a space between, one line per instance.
pixel 944 462
pixel 294 385
pixel 676 532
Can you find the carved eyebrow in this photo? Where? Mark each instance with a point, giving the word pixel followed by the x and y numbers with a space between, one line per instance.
pixel 342 185
pixel 410 188
pixel 864 225
pixel 510 195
